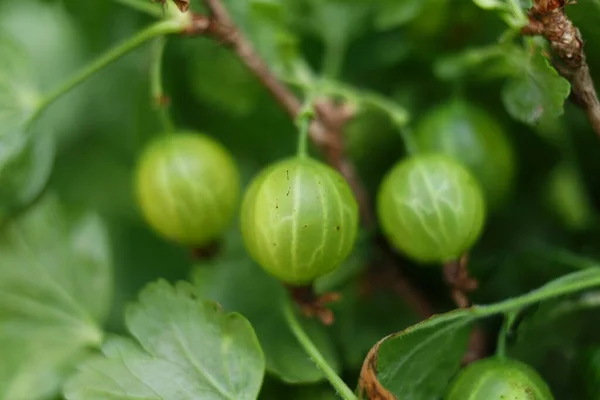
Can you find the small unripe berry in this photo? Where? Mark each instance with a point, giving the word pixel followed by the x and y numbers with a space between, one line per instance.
pixel 474 138
pixel 187 187
pixel 498 379
pixel 431 208
pixel 299 220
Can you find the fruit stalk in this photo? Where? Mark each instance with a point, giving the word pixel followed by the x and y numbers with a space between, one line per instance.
pixel 340 386
pixel 155 30
pixel 159 99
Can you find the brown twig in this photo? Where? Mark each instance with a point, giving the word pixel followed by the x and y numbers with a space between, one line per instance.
pixel 461 283
pixel 326 131
pixel 547 18
pixel 222 28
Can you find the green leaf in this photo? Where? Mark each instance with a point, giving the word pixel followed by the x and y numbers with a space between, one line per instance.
pixel 55 288
pixel 26 157
pixel 394 13
pixel 190 349
pixel 418 362
pixel 266 25
pixel 60 52
pixel 514 19
pixel 477 62
pixel 361 319
pixel 490 4
pixel 208 63
pixel 17 90
pixel 572 323
pixel 338 21
pixel 535 90
pixel 238 284
pixel 26 161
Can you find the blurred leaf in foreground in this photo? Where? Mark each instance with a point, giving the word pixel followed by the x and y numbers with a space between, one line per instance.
pixel 188 349
pixel 55 288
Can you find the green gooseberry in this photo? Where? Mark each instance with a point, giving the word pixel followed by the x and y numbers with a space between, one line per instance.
pixel 498 379
pixel 299 220
pixel 187 187
pixel 470 135
pixel 431 208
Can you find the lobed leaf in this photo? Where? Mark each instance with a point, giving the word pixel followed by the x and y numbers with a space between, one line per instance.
pixel 536 90
pixel 17 93
pixel 188 349
pixel 55 288
pixel 418 362
pixel 533 90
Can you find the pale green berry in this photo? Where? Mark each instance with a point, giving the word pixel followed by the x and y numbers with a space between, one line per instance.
pixel 299 220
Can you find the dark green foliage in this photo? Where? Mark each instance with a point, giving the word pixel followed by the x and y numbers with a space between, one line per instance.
pixel 88 290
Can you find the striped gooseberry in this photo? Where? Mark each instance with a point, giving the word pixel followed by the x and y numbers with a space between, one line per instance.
pixel 431 208
pixel 470 135
pixel 187 187
pixel 498 379
pixel 299 220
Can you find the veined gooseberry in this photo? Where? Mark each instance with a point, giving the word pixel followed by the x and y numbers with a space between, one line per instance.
pixel 470 135
pixel 431 208
pixel 498 379
pixel 187 187
pixel 299 220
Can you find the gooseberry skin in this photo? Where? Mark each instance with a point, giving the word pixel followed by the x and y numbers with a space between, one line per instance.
pixel 498 379
pixel 299 220
pixel 431 208
pixel 470 135
pixel 187 187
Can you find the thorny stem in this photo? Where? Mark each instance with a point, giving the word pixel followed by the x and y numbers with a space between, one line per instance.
pixel 343 390
pixel 548 19
pixel 159 99
pixel 155 30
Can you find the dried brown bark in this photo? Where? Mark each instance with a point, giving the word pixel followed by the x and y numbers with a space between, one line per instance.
pixel 547 18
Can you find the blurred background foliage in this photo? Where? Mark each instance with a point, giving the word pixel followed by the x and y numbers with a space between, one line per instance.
pixel 386 46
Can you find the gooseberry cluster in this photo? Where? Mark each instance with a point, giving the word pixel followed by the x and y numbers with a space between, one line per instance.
pixel 299 218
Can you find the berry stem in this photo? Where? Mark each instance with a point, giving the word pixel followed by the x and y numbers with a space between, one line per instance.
pixel 509 320
pixel 303 122
pixel 159 99
pixel 340 386
pixel 155 30
pixel 144 6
